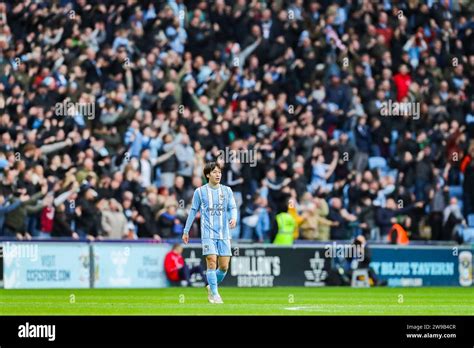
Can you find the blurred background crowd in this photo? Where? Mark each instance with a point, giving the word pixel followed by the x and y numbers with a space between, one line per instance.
pixel 110 109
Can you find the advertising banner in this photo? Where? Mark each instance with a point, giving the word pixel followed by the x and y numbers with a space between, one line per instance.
pixel 129 265
pixel 29 265
pixel 45 265
pixel 423 266
pixel 268 266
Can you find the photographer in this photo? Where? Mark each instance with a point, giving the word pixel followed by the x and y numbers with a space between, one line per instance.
pixel 361 258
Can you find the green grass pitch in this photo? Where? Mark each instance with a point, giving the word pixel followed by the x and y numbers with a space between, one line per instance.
pixel 241 301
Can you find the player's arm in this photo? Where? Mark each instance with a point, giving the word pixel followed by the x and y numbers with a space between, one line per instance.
pixel 232 209
pixel 192 214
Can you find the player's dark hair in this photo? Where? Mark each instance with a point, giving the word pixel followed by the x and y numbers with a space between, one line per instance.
pixel 176 245
pixel 209 167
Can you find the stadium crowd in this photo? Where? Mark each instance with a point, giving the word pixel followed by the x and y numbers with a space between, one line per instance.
pixel 109 110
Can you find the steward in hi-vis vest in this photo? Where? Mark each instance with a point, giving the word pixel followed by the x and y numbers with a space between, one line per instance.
pixel 286 225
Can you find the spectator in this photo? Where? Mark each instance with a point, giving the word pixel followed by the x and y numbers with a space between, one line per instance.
pixel 113 221
pixel 322 172
pixel 286 227
pixel 169 224
pixel 148 209
pixel 177 270
pixel 61 225
pixel 170 166
pixel 361 260
pixel 47 217
pixel 402 81
pixel 6 207
pixel 367 219
pixel 185 155
pixel 315 226
pixel 363 143
pixel 387 216
pixel 149 89
pixel 15 221
pixel 87 221
pixel 342 218
pixel 257 222
pixel 452 220
pixel 438 200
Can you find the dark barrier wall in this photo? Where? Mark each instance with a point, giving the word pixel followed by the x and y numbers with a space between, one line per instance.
pixel 267 266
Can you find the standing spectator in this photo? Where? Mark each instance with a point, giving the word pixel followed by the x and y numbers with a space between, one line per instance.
pixel 185 155
pixel 452 220
pixel 148 209
pixel 113 221
pixel 15 221
pixel 286 226
pixel 169 225
pixel 6 207
pixel 61 225
pixel 468 193
pixel 438 200
pixel 257 222
pixel 87 220
pixel 389 215
pixel 315 226
pixel 342 218
pixel 47 217
pixel 170 166
pixel 322 172
pixel 424 174
pixel 363 143
pixel 402 81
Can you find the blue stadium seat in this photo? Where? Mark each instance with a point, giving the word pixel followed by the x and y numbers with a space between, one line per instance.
pixel 351 136
pixel 470 220
pixel 392 173
pixel 336 134
pixel 345 196
pixel 377 163
pixel 467 234
pixel 455 191
pixel 394 136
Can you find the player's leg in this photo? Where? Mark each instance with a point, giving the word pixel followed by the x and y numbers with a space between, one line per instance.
pixel 223 263
pixel 224 252
pixel 211 276
pixel 209 250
